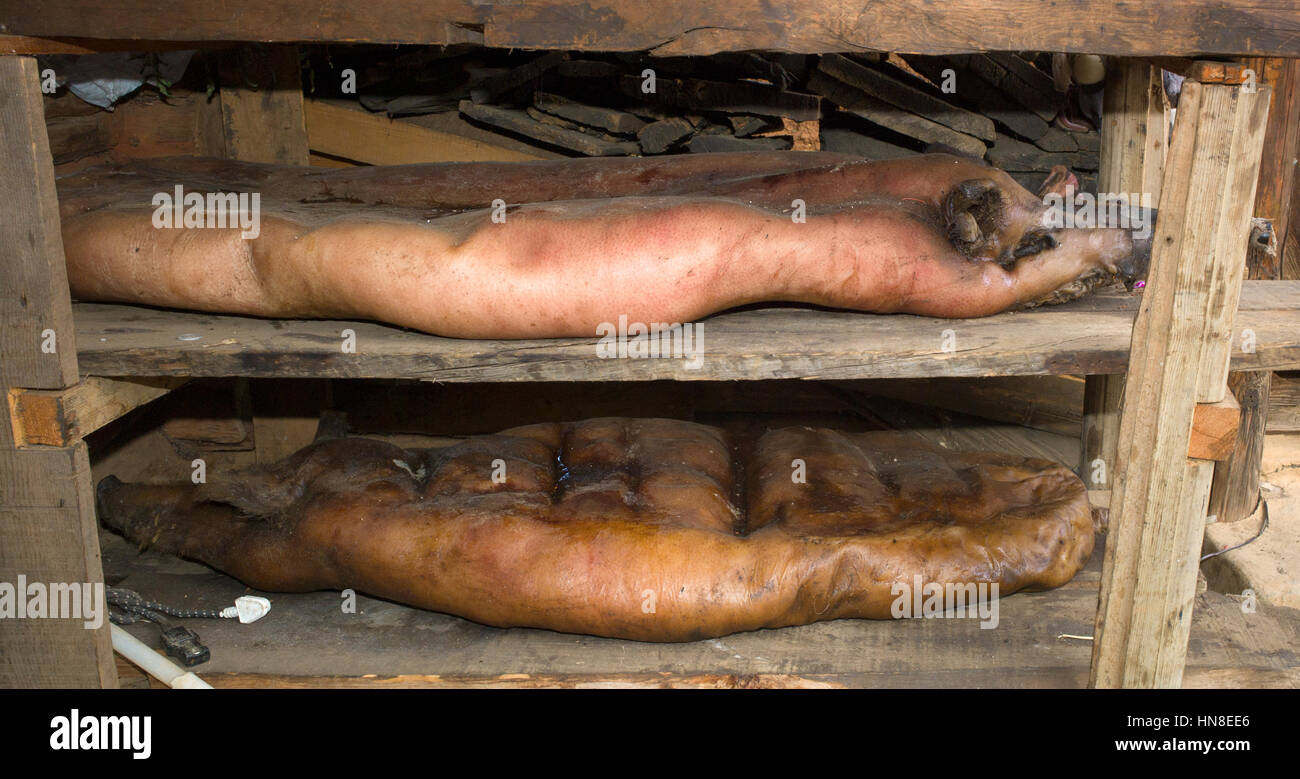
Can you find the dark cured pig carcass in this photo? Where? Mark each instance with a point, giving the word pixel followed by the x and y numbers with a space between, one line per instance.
pixel 583 242
pixel 647 529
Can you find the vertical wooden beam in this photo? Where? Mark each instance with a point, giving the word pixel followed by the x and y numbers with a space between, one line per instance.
pixel 1236 480
pixel 1181 342
pixel 1102 397
pixel 1290 248
pixel 1277 170
pixel 1135 126
pixel 47 520
pixel 35 310
pixel 263 119
pixel 261 104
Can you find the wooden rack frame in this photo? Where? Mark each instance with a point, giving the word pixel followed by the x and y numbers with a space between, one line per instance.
pixel 1176 346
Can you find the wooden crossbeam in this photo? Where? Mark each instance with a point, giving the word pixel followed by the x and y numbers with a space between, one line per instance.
pixel 1187 28
pixel 21 44
pixel 60 417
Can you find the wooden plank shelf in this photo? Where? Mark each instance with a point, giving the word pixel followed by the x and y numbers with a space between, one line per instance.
pixel 1116 27
pixel 308 641
pixel 1087 336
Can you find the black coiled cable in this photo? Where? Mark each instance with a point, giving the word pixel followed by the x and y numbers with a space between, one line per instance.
pixel 127 607
pixel 137 607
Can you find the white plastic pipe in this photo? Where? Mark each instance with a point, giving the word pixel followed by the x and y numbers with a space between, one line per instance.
pixel 154 664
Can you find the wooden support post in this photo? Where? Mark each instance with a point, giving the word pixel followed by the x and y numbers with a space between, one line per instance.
pixel 47 520
pixel 260 106
pixel 264 120
pixel 1102 397
pixel 1179 357
pixel 1235 491
pixel 1135 126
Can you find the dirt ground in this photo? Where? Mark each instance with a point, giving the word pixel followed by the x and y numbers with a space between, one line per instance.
pixel 1269 565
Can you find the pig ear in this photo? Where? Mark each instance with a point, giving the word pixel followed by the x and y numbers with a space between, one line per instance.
pixel 1058 181
pixel 973 212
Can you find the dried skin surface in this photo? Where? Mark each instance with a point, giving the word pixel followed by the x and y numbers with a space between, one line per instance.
pixel 669 239
pixel 656 530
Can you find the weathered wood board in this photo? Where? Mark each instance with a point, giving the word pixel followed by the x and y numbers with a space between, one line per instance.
pixel 1141 28
pixel 307 640
pixel 1090 335
pixel 47 521
pixel 1134 141
pixel 1181 341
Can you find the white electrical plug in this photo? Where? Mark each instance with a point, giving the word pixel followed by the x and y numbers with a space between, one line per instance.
pixel 249 608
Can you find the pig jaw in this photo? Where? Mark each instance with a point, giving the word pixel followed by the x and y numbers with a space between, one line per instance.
pixel 1091 258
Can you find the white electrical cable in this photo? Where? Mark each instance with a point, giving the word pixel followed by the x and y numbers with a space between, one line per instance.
pixel 154 664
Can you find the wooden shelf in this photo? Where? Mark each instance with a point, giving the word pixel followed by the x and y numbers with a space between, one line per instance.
pixel 1087 336
pixel 1116 27
pixel 307 641
pixel 1213 162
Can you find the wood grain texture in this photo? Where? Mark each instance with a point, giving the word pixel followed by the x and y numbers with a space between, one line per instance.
pixel 1091 335
pixel 1204 71
pixel 1196 678
pixel 1088 336
pixel 1222 229
pixel 262 105
pixel 732 97
pixel 1007 73
pixel 19 44
pixel 60 417
pixel 1284 405
pixel 877 111
pixel 1103 396
pixel 308 641
pixel 1050 403
pixel 146 125
pixel 75 138
pixel 48 534
pixel 377 140
pixel 36 334
pixel 1277 172
pixel 47 520
pixel 521 123
pixel 1159 497
pixel 1236 481
pixel 906 97
pixel 1235 488
pixel 1134 135
pixel 1135 28
pixel 1214 429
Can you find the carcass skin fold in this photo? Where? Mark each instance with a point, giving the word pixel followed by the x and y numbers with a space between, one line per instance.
pixel 647 529
pixel 584 241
